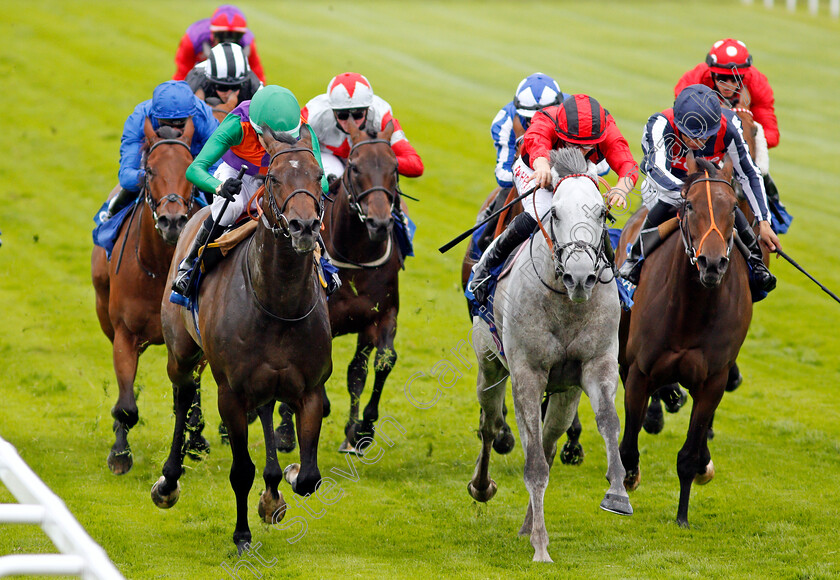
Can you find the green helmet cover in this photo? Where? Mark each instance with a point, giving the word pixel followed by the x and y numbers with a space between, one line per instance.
pixel 276 107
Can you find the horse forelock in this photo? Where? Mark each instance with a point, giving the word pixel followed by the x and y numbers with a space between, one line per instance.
pixel 568 160
pixel 281 136
pixel 167 132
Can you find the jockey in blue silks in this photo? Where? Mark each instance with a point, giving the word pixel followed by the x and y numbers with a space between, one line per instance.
pixel 696 124
pixel 172 103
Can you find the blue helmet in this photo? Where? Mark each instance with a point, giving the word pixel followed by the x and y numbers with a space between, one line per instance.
pixel 172 100
pixel 697 112
pixel 535 92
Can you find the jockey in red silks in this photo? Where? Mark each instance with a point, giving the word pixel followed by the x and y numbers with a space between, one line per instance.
pixel 579 122
pixel 350 99
pixel 729 72
pixel 227 24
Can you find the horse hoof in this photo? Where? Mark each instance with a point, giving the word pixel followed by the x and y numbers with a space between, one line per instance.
pixel 482 495
pixel 285 440
pixel 683 523
pixel 290 474
pixel 240 547
pixel 271 510
pixel 673 402
pixel 224 434
pixel 632 480
pixel 654 420
pixel 504 442
pixel 734 383
pixel 710 434
pixel 542 556
pixel 704 478
pixel 346 447
pixel 165 502
pixel 571 454
pixel 120 463
pixel 617 504
pixel 197 447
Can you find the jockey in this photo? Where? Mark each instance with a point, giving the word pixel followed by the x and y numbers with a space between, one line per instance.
pixel 728 70
pixel 237 142
pixel 533 93
pixel 172 104
pixel 349 99
pixel 698 125
pixel 227 24
pixel 578 122
pixel 225 75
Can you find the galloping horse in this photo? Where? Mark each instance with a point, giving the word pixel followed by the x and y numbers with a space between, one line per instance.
pixel 690 317
pixel 128 291
pixel 264 329
pixel 360 240
pixel 559 327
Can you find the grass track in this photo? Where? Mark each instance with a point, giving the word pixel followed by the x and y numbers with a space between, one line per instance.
pixel 76 70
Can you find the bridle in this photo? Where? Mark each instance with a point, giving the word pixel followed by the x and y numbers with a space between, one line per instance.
pixel 561 253
pixel 685 230
pixel 355 199
pixel 170 197
pixel 281 222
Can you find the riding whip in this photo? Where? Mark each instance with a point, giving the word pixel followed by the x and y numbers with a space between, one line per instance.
pixel 197 266
pixel 801 269
pixel 449 245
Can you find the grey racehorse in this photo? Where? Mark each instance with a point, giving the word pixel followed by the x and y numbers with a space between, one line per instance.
pixel 559 330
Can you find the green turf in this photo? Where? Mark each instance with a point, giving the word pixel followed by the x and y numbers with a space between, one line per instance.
pixel 73 71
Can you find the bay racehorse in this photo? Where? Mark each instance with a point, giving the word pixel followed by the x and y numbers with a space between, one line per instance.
pixel 130 286
pixel 691 314
pixel 558 322
pixel 263 327
pixel 359 237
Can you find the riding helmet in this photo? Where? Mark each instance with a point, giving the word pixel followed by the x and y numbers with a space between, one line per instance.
pixel 728 56
pixel 349 91
pixel 277 108
pixel 697 112
pixel 535 92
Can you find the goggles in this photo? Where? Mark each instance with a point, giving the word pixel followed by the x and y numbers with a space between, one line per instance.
pixel 345 114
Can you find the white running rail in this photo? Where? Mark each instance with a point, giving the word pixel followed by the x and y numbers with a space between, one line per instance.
pixel 80 555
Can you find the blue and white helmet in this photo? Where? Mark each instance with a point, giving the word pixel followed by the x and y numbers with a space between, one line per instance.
pixel 535 92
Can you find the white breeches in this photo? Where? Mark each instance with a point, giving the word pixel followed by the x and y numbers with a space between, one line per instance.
pixel 333 165
pixel 250 185
pixel 542 197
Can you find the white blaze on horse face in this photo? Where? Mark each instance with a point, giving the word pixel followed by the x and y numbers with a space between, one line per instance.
pixel 294 163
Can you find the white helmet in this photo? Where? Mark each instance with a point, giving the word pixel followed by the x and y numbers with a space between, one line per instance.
pixel 227 64
pixel 349 91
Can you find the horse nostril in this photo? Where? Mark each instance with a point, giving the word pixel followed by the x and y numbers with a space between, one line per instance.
pixel 568 280
pixel 590 280
pixel 163 222
pixel 701 261
pixel 182 221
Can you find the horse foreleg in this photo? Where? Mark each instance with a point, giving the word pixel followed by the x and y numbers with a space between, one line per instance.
pixel 197 445
pixel 383 364
pixel 491 396
pixel 272 507
pixel 636 393
pixel 599 379
pixel 242 468
pixel 572 452
pixel 356 377
pixel 167 490
pixel 528 388
pixel 126 354
pixel 284 435
pixel 308 422
pixel 694 462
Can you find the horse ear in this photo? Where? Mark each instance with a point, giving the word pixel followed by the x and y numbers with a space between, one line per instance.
pixel 387 131
pixel 305 136
pixel 726 171
pixel 151 136
pixel 189 131
pixel 268 137
pixel 690 163
pixel 354 132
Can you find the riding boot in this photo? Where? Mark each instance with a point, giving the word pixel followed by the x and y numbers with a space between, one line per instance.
pixel 497 252
pixel 609 251
pixel 330 271
pixel 648 240
pixel 182 279
pixel 770 188
pixel 119 201
pixel 762 277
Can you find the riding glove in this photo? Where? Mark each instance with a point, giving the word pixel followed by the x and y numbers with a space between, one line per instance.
pixel 229 188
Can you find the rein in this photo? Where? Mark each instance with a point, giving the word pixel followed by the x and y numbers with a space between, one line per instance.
pixel 281 222
pixel 685 231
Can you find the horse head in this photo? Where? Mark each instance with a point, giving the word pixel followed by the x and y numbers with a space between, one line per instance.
pixel 371 180
pixel 292 201
pixel 576 224
pixel 167 191
pixel 707 218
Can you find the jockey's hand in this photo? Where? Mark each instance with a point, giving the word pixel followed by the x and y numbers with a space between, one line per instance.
pixel 768 237
pixel 542 173
pixel 617 197
pixel 229 188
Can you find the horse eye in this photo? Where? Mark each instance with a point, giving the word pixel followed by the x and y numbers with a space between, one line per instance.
pixel 553 213
pixel 688 206
pixel 354 168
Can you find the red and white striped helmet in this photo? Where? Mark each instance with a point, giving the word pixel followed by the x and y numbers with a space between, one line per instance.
pixel 349 91
pixel 727 56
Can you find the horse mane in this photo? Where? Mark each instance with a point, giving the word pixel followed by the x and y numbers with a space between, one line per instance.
pixel 703 166
pixel 167 132
pixel 568 160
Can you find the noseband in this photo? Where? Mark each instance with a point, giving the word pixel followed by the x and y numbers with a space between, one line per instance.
pixel 281 222
pixel 685 230
pixel 355 199
pixel 171 197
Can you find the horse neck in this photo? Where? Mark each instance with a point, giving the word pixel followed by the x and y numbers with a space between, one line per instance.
pixel 348 233
pixel 281 278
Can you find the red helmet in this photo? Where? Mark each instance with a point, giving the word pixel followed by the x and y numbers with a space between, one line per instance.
pixel 581 119
pixel 228 18
pixel 728 56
